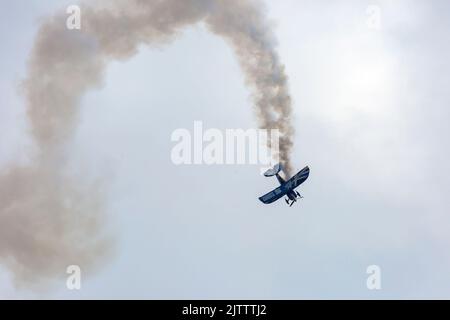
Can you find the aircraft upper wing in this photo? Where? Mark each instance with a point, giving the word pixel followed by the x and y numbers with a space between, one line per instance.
pixel 298 179
pixel 273 195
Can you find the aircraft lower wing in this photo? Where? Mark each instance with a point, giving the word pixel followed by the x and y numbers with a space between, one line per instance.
pixel 298 179
pixel 273 195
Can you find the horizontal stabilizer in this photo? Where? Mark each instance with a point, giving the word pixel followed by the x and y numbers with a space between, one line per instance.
pixel 273 171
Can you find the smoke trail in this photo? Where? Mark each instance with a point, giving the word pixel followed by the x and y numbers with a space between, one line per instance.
pixel 49 220
pixel 245 26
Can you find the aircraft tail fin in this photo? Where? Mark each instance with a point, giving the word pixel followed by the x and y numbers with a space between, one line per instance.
pixel 273 171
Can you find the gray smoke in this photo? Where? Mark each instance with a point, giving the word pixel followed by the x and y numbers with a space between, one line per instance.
pixel 49 220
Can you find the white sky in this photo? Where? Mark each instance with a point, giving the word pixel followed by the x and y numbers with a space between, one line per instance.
pixel 371 114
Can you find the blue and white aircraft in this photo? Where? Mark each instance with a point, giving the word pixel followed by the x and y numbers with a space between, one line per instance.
pixel 286 188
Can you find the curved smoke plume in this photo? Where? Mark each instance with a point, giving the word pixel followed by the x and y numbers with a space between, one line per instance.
pixel 48 220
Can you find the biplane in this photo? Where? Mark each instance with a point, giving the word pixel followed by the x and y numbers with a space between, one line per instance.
pixel 287 187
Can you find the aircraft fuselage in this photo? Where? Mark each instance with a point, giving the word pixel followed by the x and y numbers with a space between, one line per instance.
pixel 291 194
